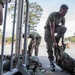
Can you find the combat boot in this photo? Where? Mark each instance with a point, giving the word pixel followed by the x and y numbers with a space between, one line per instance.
pixel 52 66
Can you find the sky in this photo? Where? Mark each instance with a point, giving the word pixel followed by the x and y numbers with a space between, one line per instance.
pixel 49 6
pixel 54 5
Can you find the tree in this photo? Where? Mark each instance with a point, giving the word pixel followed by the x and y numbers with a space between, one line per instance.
pixel 0 33
pixel 35 15
pixel 74 34
pixel 71 39
pixel 35 12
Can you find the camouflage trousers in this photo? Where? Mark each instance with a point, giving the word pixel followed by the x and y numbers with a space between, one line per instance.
pixel 49 44
pixel 60 30
pixel 38 41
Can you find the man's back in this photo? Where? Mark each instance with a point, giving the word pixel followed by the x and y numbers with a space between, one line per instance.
pixel 34 35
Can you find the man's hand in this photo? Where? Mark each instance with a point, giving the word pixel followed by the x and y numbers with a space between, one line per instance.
pixel 62 42
pixel 1 14
pixel 55 45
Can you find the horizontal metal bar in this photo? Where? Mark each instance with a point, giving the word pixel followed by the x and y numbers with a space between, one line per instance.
pixel 11 72
pixel 23 69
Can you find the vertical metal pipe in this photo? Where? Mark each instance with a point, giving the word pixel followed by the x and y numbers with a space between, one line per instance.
pixel 25 32
pixel 12 45
pixel 17 28
pixel 2 48
pixel 20 29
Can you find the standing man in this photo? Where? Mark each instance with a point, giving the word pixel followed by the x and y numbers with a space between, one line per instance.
pixel 1 11
pixel 55 24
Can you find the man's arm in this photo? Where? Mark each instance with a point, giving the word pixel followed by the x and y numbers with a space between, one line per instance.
pixel 1 13
pixel 62 39
pixel 63 23
pixel 33 44
pixel 52 28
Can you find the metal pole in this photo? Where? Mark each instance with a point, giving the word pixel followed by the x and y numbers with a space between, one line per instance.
pixel 11 64
pixel 2 48
pixel 26 32
pixel 19 28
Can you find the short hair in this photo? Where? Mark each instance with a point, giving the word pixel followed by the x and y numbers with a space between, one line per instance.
pixel 64 6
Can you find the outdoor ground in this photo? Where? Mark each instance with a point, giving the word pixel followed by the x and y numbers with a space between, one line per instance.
pixel 45 62
pixel 44 57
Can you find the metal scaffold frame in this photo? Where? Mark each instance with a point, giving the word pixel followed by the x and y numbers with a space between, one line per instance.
pixel 20 66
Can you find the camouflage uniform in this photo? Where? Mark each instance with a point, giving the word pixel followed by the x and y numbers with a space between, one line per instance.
pixel 1 11
pixel 34 35
pixel 59 29
pixel 1 1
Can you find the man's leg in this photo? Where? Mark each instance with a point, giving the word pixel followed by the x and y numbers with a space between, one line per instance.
pixel 50 55
pixel 29 48
pixel 60 30
pixel 50 52
pixel 38 41
pixel 49 44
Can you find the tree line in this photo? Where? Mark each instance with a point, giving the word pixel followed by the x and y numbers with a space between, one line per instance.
pixel 71 39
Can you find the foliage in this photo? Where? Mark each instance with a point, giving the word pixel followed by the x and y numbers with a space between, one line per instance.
pixel 34 15
pixel 9 39
pixel 35 12
pixel 71 39
pixel 0 33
